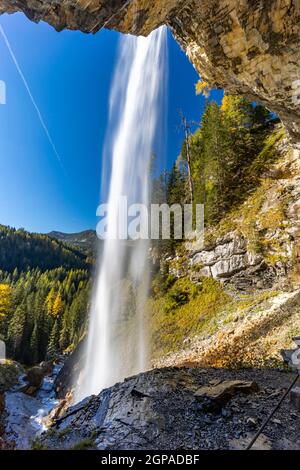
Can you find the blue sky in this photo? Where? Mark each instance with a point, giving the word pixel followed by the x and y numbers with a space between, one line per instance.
pixel 69 74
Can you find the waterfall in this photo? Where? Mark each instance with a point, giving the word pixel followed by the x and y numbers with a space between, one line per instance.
pixel 117 340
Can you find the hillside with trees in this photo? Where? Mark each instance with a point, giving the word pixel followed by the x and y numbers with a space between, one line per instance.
pixel 45 280
pixel 222 161
pixel 86 240
pixel 235 302
pixel 21 250
pixel 44 295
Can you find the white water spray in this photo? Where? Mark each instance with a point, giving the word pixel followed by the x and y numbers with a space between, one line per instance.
pixel 117 345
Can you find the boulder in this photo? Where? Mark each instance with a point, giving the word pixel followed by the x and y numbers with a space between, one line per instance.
pixel 35 377
pixel 60 409
pixel 10 372
pixel 71 370
pixel 215 397
pixel 30 390
pixel 47 367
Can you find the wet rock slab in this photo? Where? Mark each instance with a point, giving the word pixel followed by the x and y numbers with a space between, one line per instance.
pixel 163 409
pixel 24 415
pixel 20 429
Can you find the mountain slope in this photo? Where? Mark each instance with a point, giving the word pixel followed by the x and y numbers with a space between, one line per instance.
pixel 85 240
pixel 236 303
pixel 23 250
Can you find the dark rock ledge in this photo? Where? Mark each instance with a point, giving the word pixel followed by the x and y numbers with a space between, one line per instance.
pixel 181 409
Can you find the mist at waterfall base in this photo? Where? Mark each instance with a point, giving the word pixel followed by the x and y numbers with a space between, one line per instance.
pixel 117 338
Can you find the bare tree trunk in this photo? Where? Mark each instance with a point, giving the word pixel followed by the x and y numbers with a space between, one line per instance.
pixel 188 157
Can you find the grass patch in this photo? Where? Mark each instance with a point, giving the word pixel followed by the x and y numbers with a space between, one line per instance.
pixel 87 443
pixel 185 311
pixel 188 310
pixel 64 432
pixel 37 445
pixel 268 155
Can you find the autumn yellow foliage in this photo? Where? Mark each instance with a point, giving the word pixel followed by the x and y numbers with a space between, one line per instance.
pixel 54 303
pixel 225 103
pixel 58 306
pixel 5 300
pixel 202 88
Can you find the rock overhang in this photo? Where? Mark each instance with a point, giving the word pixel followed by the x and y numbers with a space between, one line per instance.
pixel 246 47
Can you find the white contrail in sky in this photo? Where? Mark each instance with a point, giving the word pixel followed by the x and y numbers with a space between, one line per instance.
pixel 41 119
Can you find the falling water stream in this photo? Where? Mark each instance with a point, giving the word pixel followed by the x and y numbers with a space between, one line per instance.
pixel 117 341
pixel 117 338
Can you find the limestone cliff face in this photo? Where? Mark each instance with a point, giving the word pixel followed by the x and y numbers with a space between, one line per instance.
pixel 244 46
pixel 257 245
pixel 249 47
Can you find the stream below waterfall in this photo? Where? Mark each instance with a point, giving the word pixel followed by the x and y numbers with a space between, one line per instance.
pixel 25 415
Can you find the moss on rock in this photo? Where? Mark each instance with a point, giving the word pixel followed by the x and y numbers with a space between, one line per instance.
pixel 10 372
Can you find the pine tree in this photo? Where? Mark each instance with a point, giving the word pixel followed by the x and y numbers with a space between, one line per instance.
pixel 65 338
pixel 53 345
pixel 215 151
pixel 34 344
pixel 16 332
